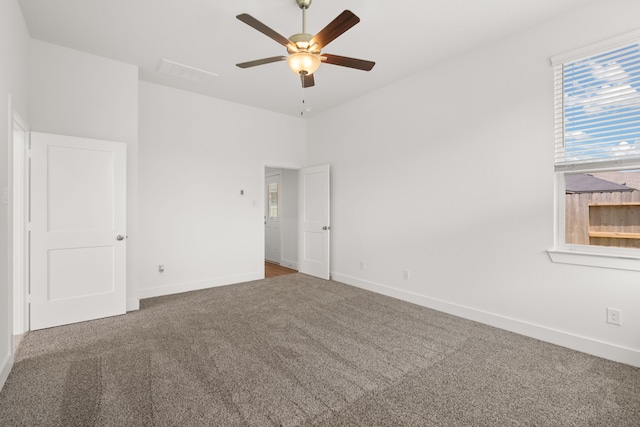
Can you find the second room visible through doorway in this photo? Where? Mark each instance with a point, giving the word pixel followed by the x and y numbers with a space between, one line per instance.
pixel 281 217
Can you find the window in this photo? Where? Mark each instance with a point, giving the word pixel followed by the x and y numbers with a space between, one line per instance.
pixel 273 200
pixel 597 157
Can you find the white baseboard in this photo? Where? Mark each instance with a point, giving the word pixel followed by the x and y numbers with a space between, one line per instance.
pixel 16 342
pixel 196 286
pixel 5 368
pixel 561 338
pixel 133 304
pixel 289 264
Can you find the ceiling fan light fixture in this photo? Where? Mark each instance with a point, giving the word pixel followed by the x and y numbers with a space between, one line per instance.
pixel 303 62
pixel 305 49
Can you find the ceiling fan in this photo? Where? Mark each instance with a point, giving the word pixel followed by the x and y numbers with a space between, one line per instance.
pixel 304 49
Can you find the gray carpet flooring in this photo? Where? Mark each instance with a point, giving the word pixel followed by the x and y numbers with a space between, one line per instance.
pixel 298 351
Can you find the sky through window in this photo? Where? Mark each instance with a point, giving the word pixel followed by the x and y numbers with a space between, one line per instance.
pixel 602 106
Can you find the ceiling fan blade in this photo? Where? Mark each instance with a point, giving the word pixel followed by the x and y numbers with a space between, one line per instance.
pixel 253 22
pixel 261 61
pixel 344 61
pixel 342 23
pixel 307 80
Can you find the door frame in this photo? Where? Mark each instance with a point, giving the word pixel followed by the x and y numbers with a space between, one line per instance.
pixel 12 341
pixel 264 164
pixel 20 235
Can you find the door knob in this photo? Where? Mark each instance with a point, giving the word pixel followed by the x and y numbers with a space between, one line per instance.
pixel 119 237
pixel 326 228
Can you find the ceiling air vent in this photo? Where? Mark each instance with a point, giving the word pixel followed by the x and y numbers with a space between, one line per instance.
pixel 185 72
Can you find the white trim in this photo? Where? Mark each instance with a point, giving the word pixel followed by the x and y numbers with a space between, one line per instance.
pixel 553 336
pixel 560 210
pixel 279 165
pixel 5 369
pixel 6 359
pixel 23 123
pixel 620 40
pixel 17 339
pixel 598 166
pixel 19 237
pixel 133 304
pixel 177 288
pixel 603 260
pixel 289 264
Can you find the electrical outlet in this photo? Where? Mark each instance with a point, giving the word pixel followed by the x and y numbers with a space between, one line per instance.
pixel 406 274
pixel 362 265
pixel 614 316
pixel 161 269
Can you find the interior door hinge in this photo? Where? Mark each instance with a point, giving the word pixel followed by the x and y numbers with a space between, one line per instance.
pixel 27 152
pixel 27 226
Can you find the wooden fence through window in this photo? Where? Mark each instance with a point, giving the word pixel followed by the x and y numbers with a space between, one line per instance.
pixel 603 219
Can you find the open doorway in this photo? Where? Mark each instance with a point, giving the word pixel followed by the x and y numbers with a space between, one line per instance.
pixel 280 221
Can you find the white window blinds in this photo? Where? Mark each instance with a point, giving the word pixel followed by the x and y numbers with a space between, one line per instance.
pixel 597 110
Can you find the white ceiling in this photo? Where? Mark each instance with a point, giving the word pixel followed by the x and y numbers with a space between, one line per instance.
pixel 402 37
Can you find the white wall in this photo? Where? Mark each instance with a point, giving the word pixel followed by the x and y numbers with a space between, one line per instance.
pixel 77 94
pixel 14 47
pixel 196 154
pixel 449 174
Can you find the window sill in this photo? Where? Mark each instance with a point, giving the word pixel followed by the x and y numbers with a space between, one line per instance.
pixel 618 262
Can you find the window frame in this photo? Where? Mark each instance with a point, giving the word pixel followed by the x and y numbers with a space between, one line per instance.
pixel 589 255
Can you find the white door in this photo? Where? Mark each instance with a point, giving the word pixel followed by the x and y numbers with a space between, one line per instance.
pixel 78 229
pixel 313 248
pixel 273 193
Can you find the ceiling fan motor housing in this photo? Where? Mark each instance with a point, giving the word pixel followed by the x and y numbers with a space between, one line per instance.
pixel 301 40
